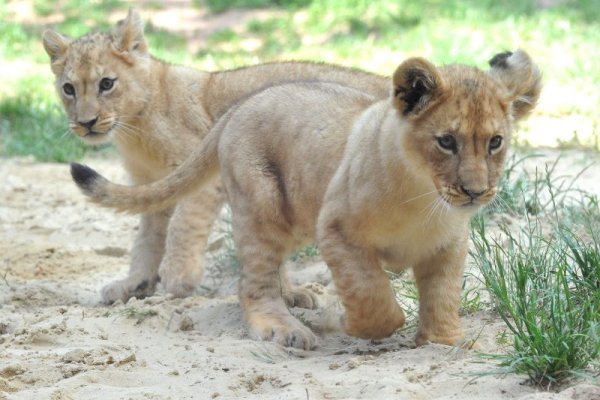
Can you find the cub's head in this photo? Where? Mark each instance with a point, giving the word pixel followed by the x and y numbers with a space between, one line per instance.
pixel 460 121
pixel 101 78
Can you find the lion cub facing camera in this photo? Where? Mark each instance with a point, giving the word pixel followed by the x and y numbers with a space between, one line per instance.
pixel 390 182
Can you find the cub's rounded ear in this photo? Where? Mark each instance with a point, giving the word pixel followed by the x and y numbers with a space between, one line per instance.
pixel 521 77
pixel 55 44
pixel 128 35
pixel 417 86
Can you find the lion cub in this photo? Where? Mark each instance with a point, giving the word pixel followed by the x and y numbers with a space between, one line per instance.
pixel 390 182
pixel 155 113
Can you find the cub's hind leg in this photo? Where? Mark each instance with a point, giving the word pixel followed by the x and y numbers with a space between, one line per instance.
pixel 263 222
pixel 146 255
pixel 262 247
pixel 182 268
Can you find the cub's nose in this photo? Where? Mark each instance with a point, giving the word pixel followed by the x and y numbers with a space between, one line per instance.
pixel 473 193
pixel 88 124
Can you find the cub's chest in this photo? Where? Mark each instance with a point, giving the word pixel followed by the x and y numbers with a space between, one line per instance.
pixel 418 241
pixel 143 167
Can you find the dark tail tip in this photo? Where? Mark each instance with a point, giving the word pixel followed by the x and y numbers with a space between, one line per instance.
pixel 499 60
pixel 84 176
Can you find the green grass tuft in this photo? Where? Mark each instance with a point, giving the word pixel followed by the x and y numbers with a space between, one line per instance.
pixel 139 315
pixel 544 280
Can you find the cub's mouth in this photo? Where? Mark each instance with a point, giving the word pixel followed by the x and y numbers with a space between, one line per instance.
pixel 93 136
pixel 462 204
pixel 463 199
pixel 471 204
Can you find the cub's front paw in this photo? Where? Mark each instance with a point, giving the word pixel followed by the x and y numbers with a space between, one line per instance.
pixel 282 329
pixel 179 287
pixel 450 339
pixel 127 288
pixel 179 279
pixel 298 336
pixel 377 325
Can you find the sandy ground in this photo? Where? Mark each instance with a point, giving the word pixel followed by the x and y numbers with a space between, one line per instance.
pixel 57 341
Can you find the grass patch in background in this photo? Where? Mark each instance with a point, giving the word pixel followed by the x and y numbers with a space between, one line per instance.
pixel 217 6
pixel 374 36
pixel 33 123
pixel 79 16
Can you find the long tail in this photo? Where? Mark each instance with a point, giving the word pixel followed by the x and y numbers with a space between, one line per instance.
pixel 195 171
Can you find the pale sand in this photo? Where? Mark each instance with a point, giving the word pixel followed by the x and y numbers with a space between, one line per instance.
pixel 58 342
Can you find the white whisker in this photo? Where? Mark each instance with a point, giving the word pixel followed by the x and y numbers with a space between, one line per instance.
pixel 417 197
pixel 435 210
pixel 66 133
pixel 126 130
pixel 441 209
pixel 431 210
pixel 445 210
pixel 500 203
pixel 129 127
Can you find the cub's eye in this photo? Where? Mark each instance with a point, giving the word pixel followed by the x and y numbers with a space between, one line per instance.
pixel 68 89
pixel 106 84
pixel 448 143
pixel 495 143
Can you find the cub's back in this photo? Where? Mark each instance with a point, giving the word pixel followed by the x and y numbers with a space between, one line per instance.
pixel 294 119
pixel 296 131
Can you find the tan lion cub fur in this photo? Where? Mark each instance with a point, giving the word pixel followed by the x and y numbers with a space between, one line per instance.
pixel 155 114
pixel 390 183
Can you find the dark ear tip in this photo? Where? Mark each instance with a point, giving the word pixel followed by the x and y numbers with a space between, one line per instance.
pixel 83 175
pixel 499 60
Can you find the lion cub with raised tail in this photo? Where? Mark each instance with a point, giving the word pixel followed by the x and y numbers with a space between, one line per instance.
pixel 379 183
pixel 155 113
